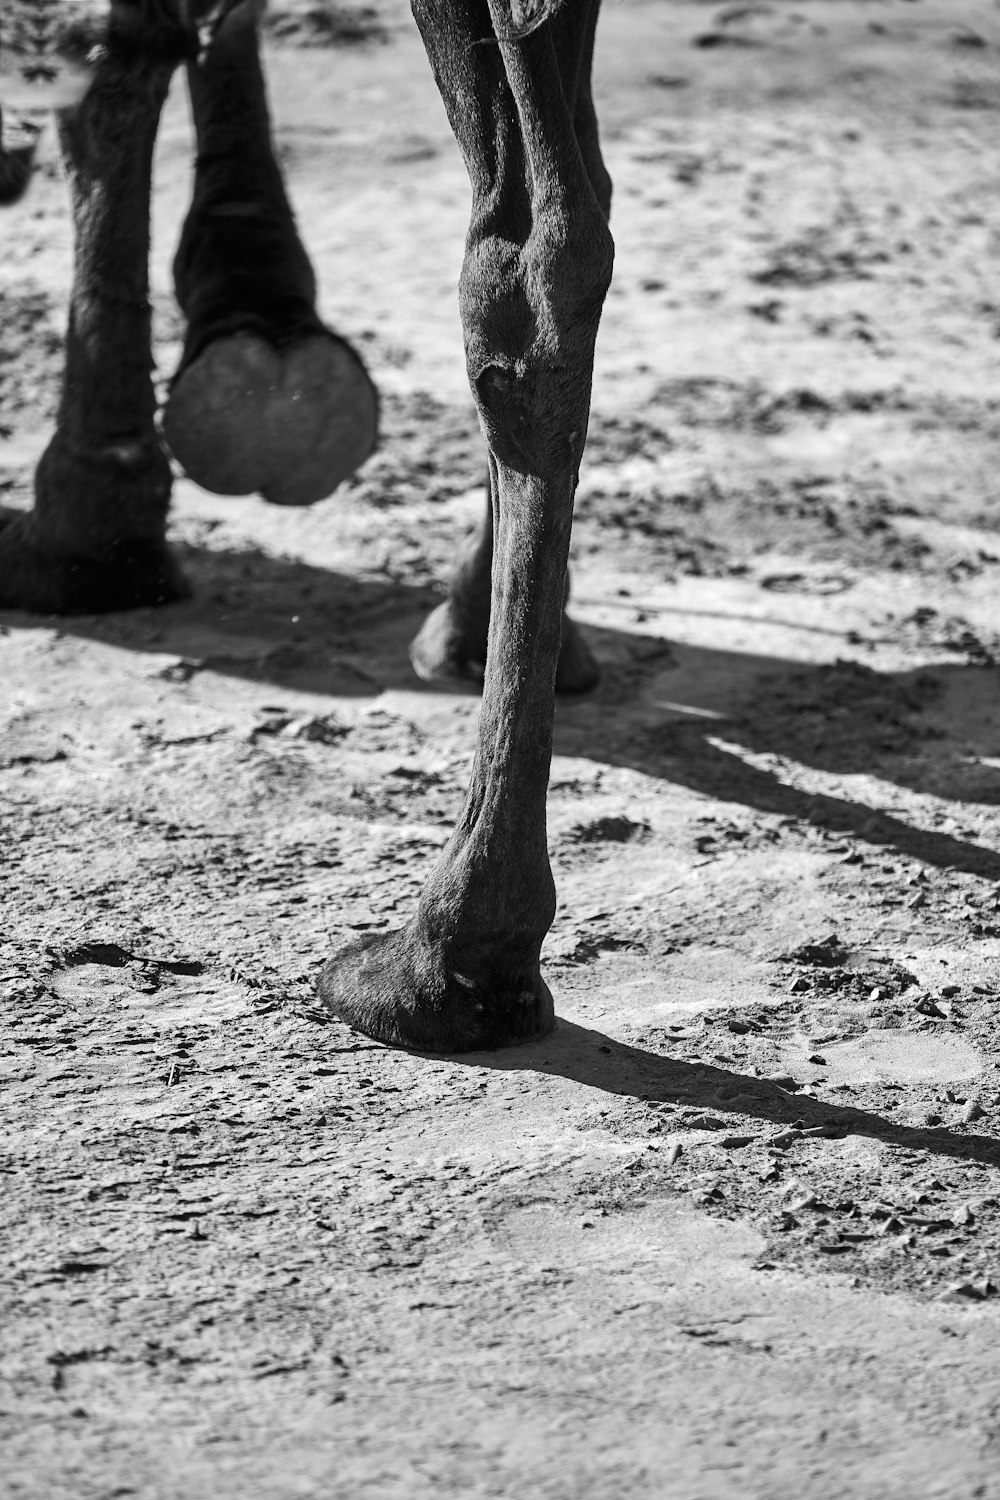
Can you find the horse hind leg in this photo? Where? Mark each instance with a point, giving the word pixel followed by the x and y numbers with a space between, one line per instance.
pixel 451 644
pixel 266 398
pixel 96 537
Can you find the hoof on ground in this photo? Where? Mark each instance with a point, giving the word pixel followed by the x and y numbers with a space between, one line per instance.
pixel 395 989
pixel 577 671
pixel 444 651
pixel 290 424
pixel 130 576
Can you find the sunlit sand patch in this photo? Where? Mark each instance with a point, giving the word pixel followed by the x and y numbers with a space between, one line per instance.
pixel 900 1057
pixel 177 1000
pixel 861 1152
pixel 638 991
pixel 675 1239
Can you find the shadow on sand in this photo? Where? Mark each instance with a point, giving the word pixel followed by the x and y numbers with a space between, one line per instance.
pixel 589 1057
pixel 287 623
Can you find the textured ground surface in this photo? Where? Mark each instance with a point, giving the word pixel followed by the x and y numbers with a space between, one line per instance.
pixel 734 1230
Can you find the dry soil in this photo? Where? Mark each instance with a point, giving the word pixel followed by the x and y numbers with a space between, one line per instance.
pixel 734 1229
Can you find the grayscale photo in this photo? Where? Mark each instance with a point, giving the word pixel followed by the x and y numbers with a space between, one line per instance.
pixel 499 749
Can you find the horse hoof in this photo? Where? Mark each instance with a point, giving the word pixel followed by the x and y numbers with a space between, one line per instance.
pixel 397 989
pixel 290 424
pixel 442 651
pixel 130 575
pixel 447 650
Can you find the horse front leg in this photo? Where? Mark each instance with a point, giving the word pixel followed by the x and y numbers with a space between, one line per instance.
pixel 465 973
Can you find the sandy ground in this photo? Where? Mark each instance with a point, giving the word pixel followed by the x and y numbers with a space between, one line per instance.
pixel 734 1230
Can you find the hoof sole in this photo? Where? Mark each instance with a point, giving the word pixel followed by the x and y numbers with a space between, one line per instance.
pixel 577 671
pixel 289 424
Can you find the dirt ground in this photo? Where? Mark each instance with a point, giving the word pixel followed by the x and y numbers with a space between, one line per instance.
pixel 734 1229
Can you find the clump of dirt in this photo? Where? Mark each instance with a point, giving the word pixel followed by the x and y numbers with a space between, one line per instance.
pixel 613 439
pixel 827 953
pixel 324 23
pixel 861 983
pixel 750 406
pixel 819 258
pixel 644 513
pixel 927 627
pixel 428 451
pixel 850 523
pixel 611 830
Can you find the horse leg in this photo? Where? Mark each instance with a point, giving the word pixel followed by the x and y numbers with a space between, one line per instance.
pixel 266 398
pixel 96 537
pixel 451 644
pixel 465 973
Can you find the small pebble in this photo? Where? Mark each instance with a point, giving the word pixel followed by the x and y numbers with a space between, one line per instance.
pixel 975 1291
pixel 709 1195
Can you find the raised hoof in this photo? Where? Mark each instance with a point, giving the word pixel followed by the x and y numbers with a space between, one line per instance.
pixel 290 424
pixel 130 576
pixel 445 651
pixel 394 988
